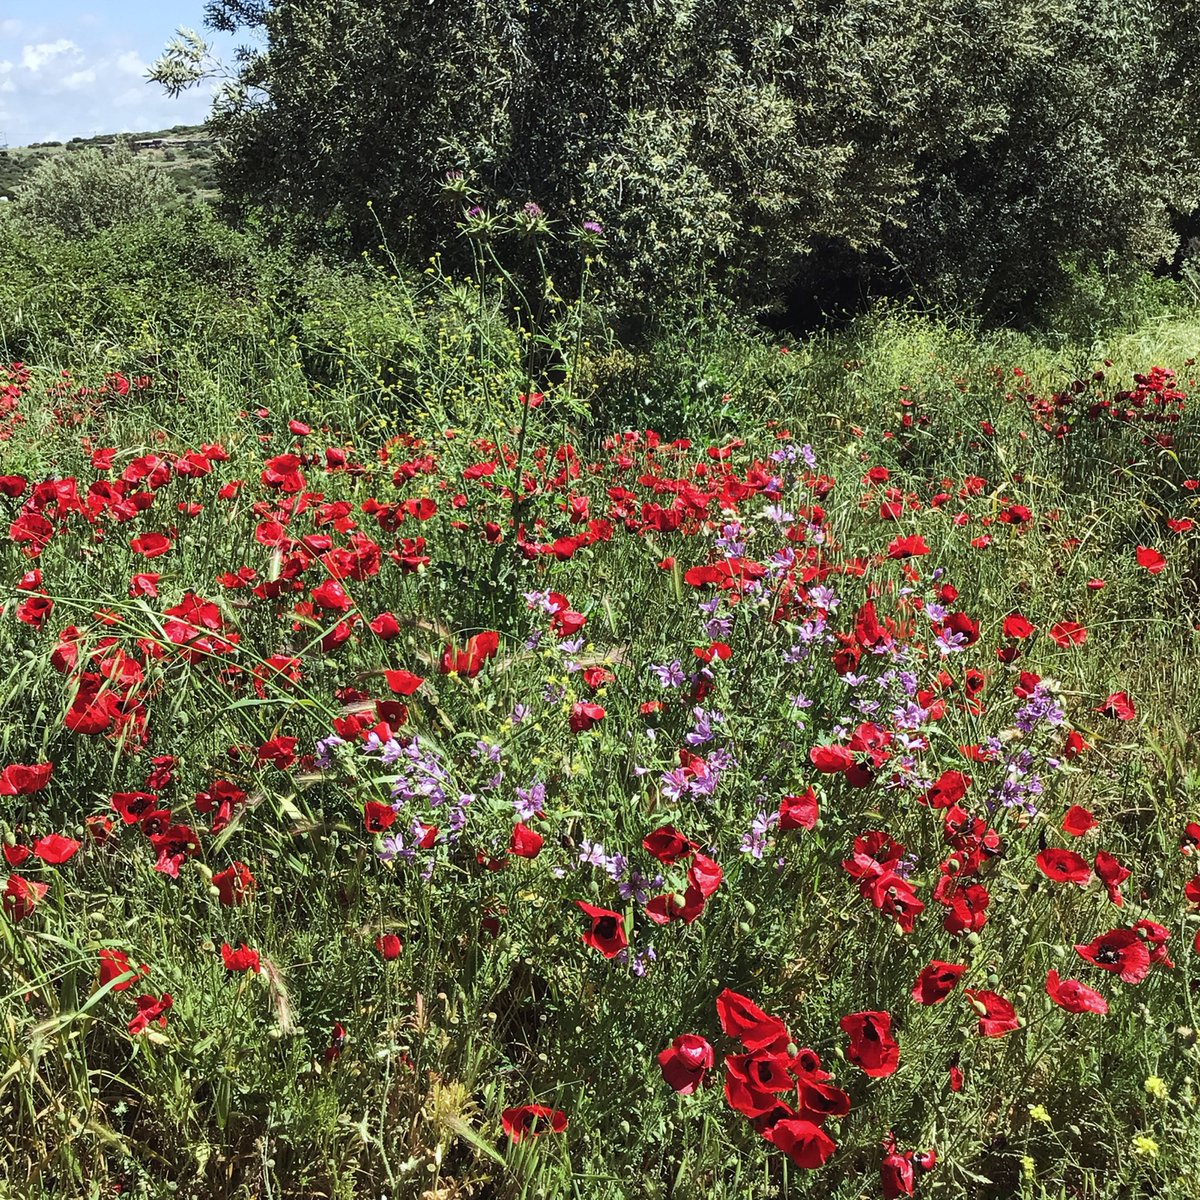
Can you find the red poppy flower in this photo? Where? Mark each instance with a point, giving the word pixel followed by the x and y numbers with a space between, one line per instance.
pixel 872 1046
pixel 1112 875
pixel 960 624
pixel 1152 560
pixel 819 1100
pixel 144 583
pixel 331 596
pixel 283 472
pixel 1190 839
pixel 597 677
pixel 670 906
pixel 831 759
pixel 1118 706
pixel 134 806
pixel 234 884
pixel 1120 951
pixel 668 845
pixel 584 715
pixel 525 842
pixel 114 964
pixel 56 849
pixel 893 894
pixel 949 788
pixel 1156 937
pixel 173 845
pixel 912 546
pixel 1074 745
pixel 150 545
pixel 742 1019
pixel 798 812
pixel 705 874
pixel 241 959
pixel 19 780
pixel 896 1175
pixel 532 1120
pixel 684 1063
pixel 1074 996
pixel 21 896
pixel 1077 821
pixel 806 1144
pixel 768 1071
pixel 469 661
pixel 151 1009
pixel 1017 626
pixel 281 751
pixel 1068 633
pixel 378 817
pixel 389 946
pixel 937 981
pixel 967 908
pixel 403 683
pixel 806 1064
pixel 35 610
pixel 607 931
pixel 385 626
pixel 996 1015
pixel 761 1108
pixel 1064 866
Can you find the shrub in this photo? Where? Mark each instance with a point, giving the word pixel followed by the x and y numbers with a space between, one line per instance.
pixel 89 190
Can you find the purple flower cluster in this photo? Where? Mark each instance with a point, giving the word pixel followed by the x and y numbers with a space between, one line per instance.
pixel 420 778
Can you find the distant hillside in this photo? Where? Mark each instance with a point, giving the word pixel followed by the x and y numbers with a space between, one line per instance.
pixel 186 151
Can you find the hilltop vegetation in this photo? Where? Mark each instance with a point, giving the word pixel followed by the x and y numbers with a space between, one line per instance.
pixel 186 154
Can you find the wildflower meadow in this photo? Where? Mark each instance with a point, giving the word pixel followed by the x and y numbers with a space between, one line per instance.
pixel 493 797
pixel 600 604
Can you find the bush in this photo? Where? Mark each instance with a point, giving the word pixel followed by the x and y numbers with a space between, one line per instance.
pixel 89 190
pixel 147 288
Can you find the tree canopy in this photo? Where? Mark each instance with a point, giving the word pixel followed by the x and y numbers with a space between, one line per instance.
pixel 970 151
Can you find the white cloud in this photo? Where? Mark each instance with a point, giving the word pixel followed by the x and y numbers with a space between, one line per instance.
pixel 130 63
pixel 10 28
pixel 34 58
pixel 79 79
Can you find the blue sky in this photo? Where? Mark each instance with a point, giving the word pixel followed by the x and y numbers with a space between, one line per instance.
pixel 73 68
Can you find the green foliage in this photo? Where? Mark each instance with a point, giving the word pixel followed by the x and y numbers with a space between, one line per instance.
pixel 954 152
pixel 79 194
pixel 146 292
